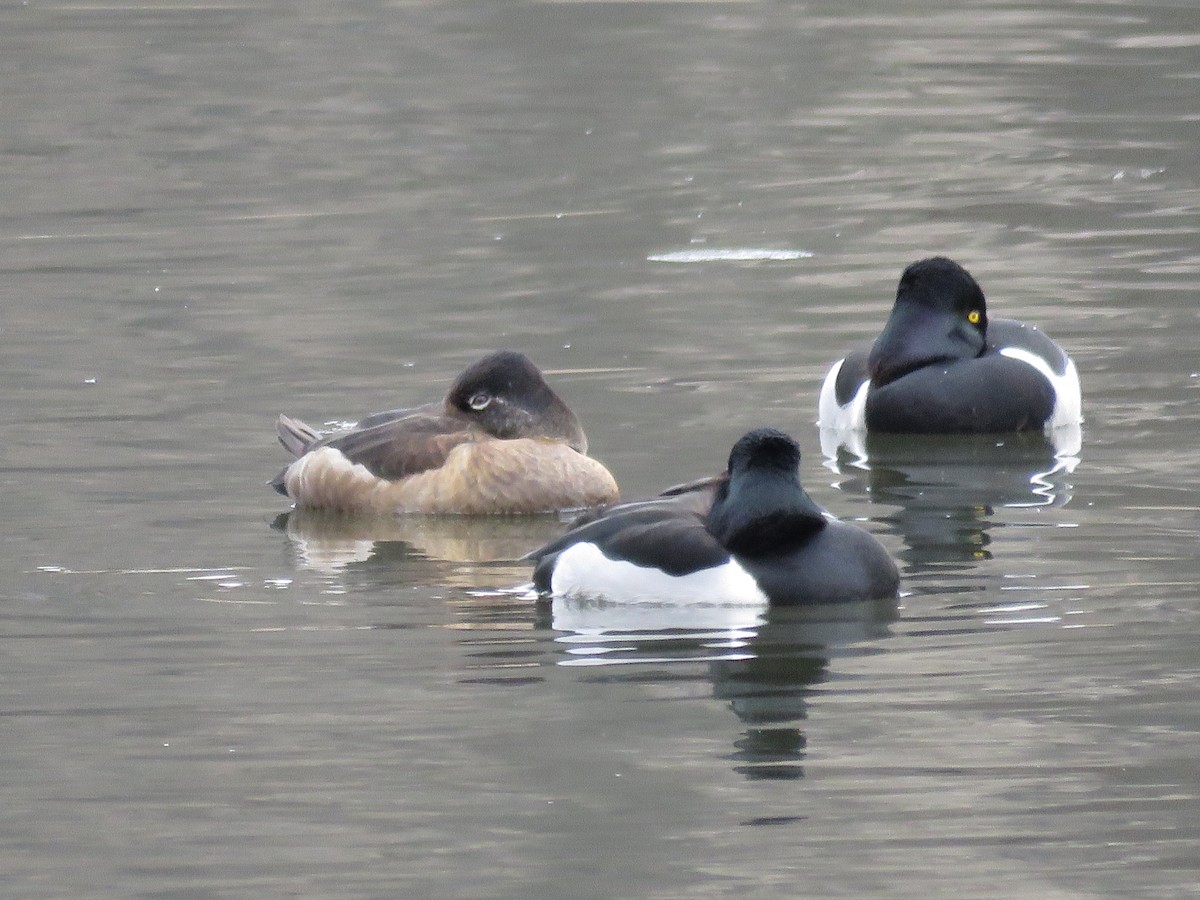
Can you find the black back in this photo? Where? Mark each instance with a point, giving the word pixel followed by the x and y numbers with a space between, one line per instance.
pixel 841 562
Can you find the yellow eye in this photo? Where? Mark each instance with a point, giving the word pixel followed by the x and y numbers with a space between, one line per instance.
pixel 973 317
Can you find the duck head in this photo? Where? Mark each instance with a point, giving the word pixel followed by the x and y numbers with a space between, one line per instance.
pixel 505 394
pixel 940 315
pixel 761 509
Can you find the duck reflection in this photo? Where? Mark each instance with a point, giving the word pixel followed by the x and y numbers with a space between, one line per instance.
pixel 328 543
pixel 763 661
pixel 946 488
pixel 768 690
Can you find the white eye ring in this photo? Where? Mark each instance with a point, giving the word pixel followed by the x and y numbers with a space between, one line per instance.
pixel 479 401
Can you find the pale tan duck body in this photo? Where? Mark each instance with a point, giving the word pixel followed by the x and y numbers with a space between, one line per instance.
pixel 502 442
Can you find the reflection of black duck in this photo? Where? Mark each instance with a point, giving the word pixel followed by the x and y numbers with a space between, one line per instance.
pixel 947 488
pixel 764 662
pixel 768 689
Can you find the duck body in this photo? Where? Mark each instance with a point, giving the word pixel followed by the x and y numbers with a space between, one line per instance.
pixel 751 536
pixel 940 366
pixel 502 442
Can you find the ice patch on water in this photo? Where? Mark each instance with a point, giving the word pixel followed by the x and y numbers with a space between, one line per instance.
pixel 728 254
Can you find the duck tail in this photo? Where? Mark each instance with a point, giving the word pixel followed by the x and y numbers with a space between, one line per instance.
pixel 296 436
pixel 279 482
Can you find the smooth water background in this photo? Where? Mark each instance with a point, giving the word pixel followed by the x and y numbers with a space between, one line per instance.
pixel 213 213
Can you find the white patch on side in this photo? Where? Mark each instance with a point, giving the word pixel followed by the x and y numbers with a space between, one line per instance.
pixel 583 571
pixel 841 426
pixel 828 411
pixel 841 418
pixel 1068 403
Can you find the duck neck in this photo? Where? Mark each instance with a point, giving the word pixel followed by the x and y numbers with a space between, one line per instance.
pixel 763 513
pixel 915 337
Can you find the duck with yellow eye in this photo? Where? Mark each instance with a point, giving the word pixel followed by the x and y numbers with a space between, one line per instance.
pixel 940 366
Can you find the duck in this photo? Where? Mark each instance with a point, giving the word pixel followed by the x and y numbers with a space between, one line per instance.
pixel 750 536
pixel 501 442
pixel 941 366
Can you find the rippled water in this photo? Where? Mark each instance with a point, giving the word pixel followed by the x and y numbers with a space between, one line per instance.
pixel 684 212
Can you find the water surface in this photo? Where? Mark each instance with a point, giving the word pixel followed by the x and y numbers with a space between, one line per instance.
pixel 684 212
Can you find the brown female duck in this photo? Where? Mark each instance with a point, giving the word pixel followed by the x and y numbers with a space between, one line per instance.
pixel 501 442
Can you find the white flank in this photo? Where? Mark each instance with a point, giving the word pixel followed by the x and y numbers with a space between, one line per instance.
pixel 828 411
pixel 1068 405
pixel 583 571
pixel 830 415
pixel 842 426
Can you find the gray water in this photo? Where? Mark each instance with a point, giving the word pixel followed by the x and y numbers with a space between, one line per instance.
pixel 210 214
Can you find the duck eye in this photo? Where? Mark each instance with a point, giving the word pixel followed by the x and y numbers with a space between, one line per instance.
pixel 973 317
pixel 479 401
